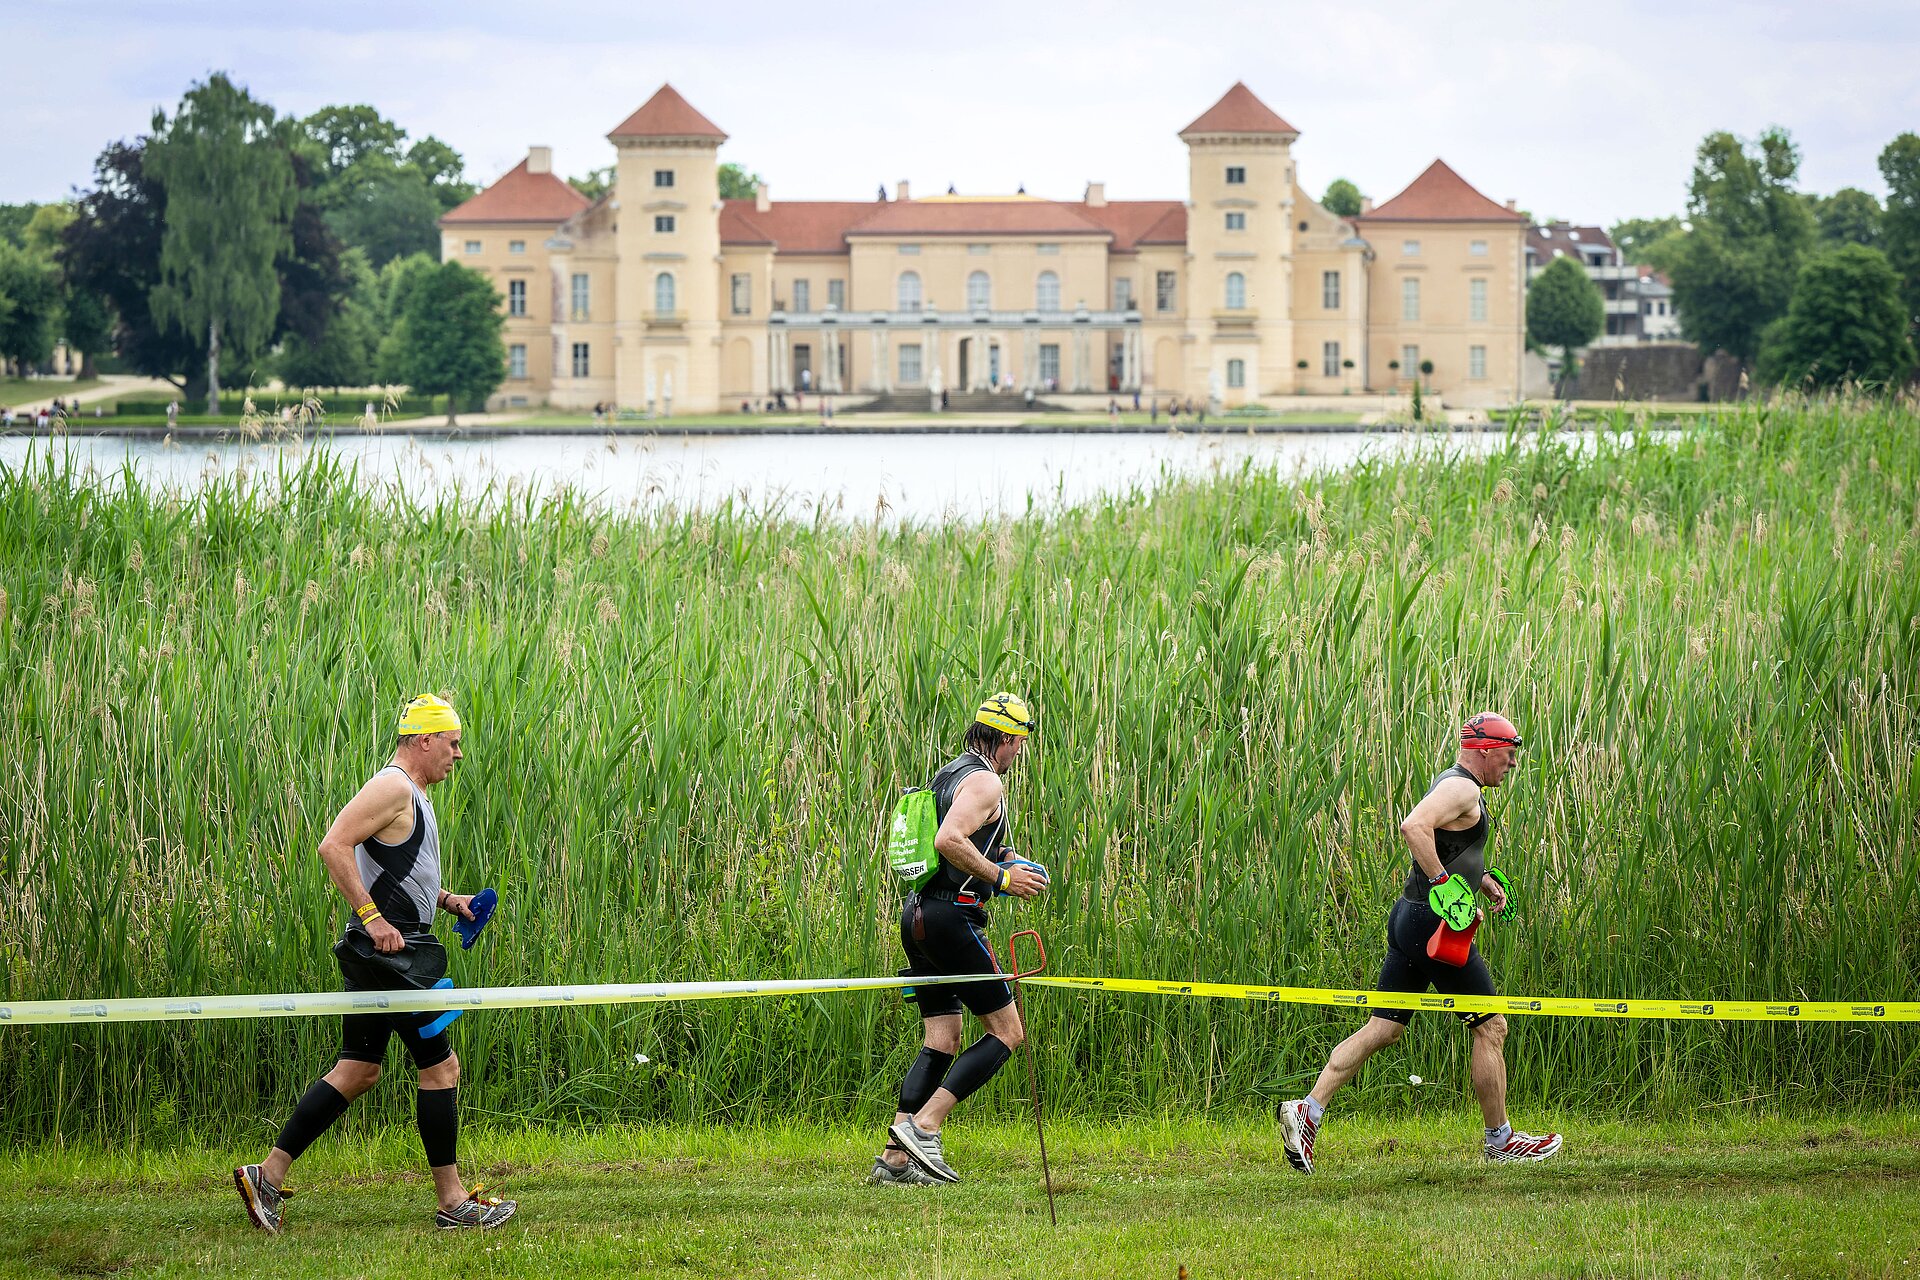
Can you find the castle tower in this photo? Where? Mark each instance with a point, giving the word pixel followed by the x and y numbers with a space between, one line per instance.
pixel 668 291
pixel 1240 232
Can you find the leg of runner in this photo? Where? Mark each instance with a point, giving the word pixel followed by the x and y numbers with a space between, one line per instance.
pixel 1002 1025
pixel 349 1079
pixel 1300 1118
pixel 941 1041
pixel 1490 1070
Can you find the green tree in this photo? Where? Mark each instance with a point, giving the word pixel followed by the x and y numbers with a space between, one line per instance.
pixel 1845 323
pixel 344 354
pixel 231 195
pixel 595 184
pixel 1564 309
pixel 1342 198
pixel 443 169
pixel 386 210
pixel 30 291
pixel 1634 236
pixel 737 184
pixel 346 136
pixel 1848 216
pixel 1900 224
pixel 1733 274
pixel 448 339
pixel 83 318
pixel 13 222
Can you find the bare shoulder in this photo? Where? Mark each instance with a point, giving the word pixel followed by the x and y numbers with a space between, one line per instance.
pixel 1454 798
pixel 982 784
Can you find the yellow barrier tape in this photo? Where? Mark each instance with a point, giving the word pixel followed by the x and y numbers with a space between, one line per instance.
pixel 1548 1006
pixel 210 1008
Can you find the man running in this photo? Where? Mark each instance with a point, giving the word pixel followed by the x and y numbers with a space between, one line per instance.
pixel 1447 835
pixel 383 853
pixel 943 928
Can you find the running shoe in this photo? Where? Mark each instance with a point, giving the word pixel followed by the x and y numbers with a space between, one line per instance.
pixel 907 1175
pixel 263 1200
pixel 484 1212
pixel 1297 1131
pixel 923 1149
pixel 1524 1146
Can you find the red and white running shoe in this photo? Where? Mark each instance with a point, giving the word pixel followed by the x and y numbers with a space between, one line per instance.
pixel 1297 1131
pixel 1524 1146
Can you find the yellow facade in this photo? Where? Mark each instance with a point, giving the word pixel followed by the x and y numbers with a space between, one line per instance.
pixel 661 297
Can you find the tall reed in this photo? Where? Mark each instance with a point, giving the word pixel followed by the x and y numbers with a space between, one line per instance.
pixel 684 733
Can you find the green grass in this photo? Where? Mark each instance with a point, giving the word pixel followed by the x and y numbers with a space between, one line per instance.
pixel 19 391
pixel 773 421
pixel 1735 1196
pixel 685 732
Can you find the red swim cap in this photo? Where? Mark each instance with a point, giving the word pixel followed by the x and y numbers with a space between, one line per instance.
pixel 1488 731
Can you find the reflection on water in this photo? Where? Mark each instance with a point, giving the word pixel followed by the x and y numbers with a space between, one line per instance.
pixel 915 478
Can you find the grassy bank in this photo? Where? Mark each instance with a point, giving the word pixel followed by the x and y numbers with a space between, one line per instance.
pixel 684 734
pixel 1837 1196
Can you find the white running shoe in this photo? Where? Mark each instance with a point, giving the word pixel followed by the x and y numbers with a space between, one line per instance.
pixel 907 1175
pixel 1297 1131
pixel 1524 1146
pixel 923 1149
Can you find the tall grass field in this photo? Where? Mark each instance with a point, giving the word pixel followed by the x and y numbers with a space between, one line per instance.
pixel 685 733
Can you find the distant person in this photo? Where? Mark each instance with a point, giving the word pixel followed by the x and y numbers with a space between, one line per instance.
pixel 1113 412
pixel 806 381
pixel 944 400
pixel 1446 835
pixel 173 412
pixel 383 854
pixel 6 416
pixel 1029 398
pixel 1136 399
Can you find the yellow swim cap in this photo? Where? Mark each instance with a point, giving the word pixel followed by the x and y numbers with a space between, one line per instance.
pixel 1007 713
pixel 428 714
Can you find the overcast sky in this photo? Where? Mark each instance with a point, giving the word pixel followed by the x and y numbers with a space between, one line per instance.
pixel 1590 111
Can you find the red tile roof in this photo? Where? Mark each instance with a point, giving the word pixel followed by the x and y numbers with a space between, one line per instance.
pixel 937 217
pixel 794 226
pixel 520 196
pixel 1440 195
pixel 1239 112
pixel 667 115
pixel 1136 222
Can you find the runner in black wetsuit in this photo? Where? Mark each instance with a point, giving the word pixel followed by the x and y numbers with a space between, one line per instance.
pixel 383 854
pixel 1447 834
pixel 943 928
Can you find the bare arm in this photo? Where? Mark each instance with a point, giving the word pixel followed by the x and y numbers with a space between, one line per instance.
pixel 383 803
pixel 973 807
pixel 1449 802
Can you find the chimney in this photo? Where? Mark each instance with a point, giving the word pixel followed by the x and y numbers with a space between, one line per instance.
pixel 539 159
pixel 1513 206
pixel 761 200
pixel 900 192
pixel 1366 205
pixel 1096 195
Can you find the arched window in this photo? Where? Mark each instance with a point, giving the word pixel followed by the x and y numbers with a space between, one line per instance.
pixel 1046 292
pixel 1236 373
pixel 1236 291
pixel 979 292
pixel 663 292
pixel 909 291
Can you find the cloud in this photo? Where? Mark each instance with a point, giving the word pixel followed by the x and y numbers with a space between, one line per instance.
pixel 1587 113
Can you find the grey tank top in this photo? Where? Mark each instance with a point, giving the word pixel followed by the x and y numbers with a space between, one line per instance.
pixel 1462 853
pixel 404 878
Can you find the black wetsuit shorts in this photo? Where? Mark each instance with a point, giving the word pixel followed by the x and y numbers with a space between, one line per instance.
pixel 364 1036
pixel 945 936
pixel 1407 967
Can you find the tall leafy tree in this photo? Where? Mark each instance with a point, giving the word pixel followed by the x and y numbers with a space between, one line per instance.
pixel 737 184
pixel 30 287
pixel 13 222
pixel 595 184
pixel 1565 310
pixel 1900 223
pixel 386 210
pixel 231 194
pixel 343 355
pixel 1634 236
pixel 1848 216
pixel 1733 274
pixel 1846 323
pixel 447 341
pixel 443 169
pixel 1342 198
pixel 83 319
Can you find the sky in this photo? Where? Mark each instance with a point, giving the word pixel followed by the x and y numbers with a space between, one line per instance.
pixel 1590 112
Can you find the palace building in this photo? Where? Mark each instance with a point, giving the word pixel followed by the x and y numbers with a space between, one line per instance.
pixel 663 296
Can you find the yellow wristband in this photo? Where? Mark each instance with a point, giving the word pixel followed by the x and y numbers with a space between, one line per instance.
pixel 367 911
pixel 1006 879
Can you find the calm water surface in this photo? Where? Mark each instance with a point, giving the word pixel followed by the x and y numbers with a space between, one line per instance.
pixel 917 478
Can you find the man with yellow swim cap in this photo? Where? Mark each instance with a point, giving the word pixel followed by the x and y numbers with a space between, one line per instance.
pixel 383 853
pixel 943 929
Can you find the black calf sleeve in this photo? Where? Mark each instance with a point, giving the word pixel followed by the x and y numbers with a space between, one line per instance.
pixel 439 1124
pixel 976 1066
pixel 319 1107
pixel 923 1077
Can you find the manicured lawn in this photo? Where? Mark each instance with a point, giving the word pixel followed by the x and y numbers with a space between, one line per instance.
pixel 1724 1195
pixel 18 391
